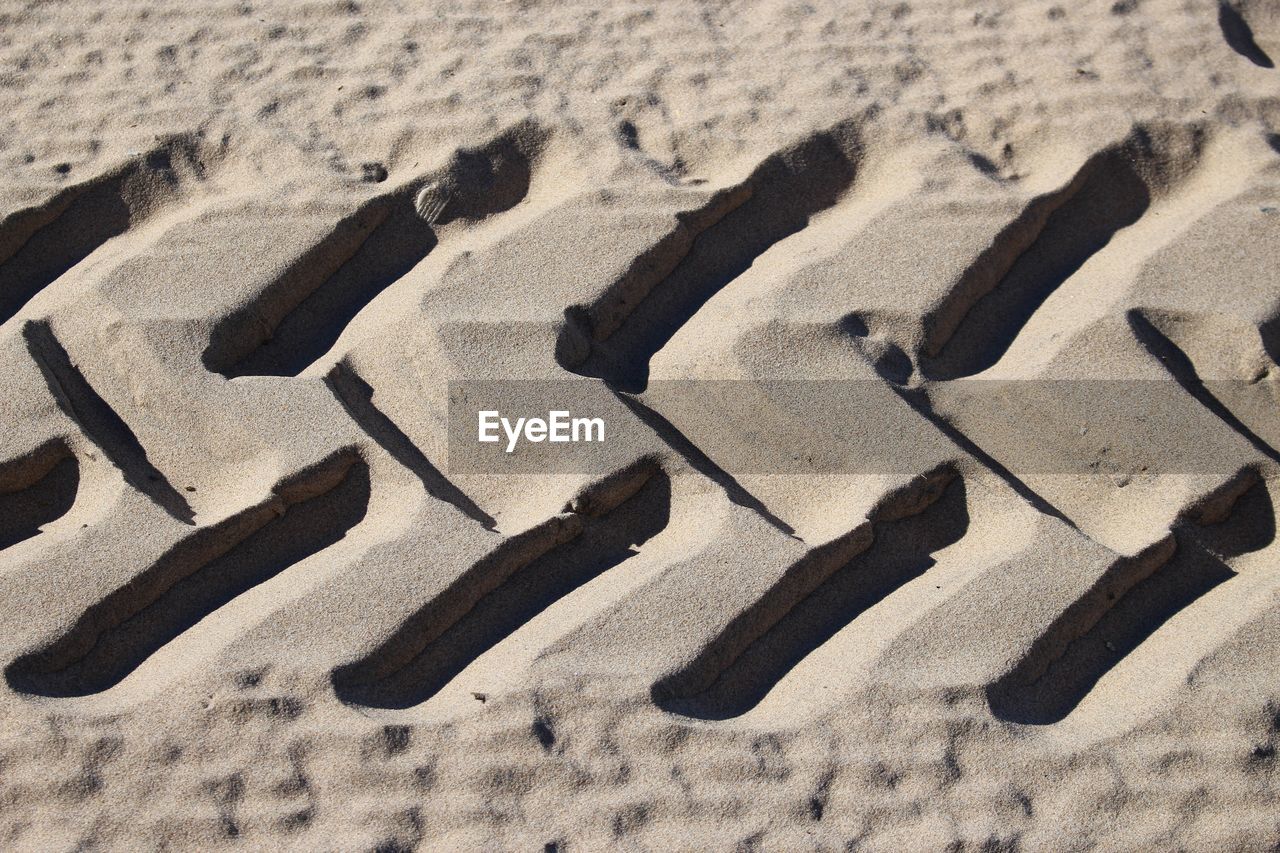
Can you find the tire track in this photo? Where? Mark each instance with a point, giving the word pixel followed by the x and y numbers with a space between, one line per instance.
pixel 816 597
pixel 36 490
pixel 99 422
pixel 1132 601
pixel 491 602
pixel 1055 236
pixel 38 245
pixel 901 550
pixel 1182 369
pixel 616 337
pixel 298 317
pixel 306 513
pixel 356 396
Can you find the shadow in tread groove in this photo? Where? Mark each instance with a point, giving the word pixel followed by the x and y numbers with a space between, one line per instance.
pixel 776 201
pixel 300 315
pixel 1269 330
pixel 1184 373
pixel 303 313
pixel 1239 35
pixel 39 244
pixel 1126 608
pixel 356 396
pixel 700 462
pixel 607 536
pixel 99 421
pixel 918 399
pixel 309 512
pixel 1049 243
pixel 901 551
pixel 35 491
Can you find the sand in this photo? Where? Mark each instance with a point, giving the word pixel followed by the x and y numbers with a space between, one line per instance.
pixel 248 601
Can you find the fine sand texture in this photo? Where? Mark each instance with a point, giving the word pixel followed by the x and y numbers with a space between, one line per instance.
pixel 245 603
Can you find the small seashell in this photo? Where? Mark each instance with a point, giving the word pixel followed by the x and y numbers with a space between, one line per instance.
pixel 431 201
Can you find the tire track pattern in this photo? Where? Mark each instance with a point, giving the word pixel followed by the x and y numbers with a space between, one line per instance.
pixel 820 591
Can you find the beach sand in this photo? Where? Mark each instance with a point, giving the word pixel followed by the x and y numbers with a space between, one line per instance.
pixel 247 603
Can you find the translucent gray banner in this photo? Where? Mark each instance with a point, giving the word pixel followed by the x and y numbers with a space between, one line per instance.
pixel 865 427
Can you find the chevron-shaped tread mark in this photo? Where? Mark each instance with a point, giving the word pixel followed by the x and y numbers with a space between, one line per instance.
pixel 1182 369
pixel 295 320
pixel 1131 603
pixel 307 513
pixel 99 422
pixel 919 400
pixel 299 316
pixel 1053 238
pixel 356 396
pixel 696 459
pixel 491 602
pixel 36 490
pixel 39 244
pixel 616 338
pixel 825 591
